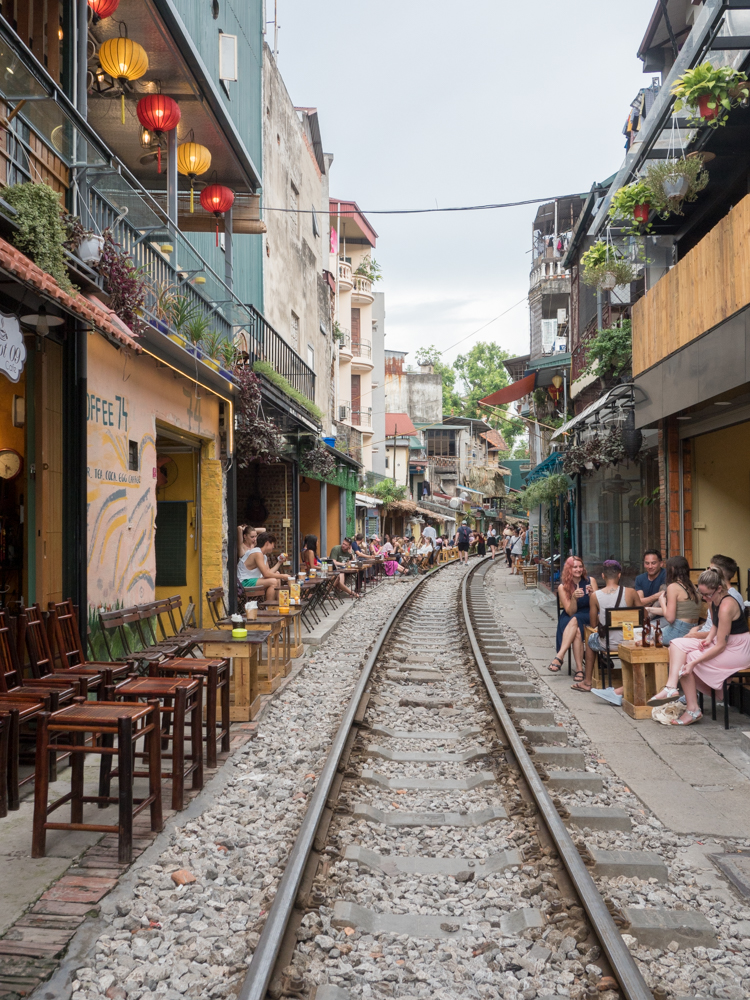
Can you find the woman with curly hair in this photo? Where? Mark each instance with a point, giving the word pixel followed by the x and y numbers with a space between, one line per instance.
pixel 574 595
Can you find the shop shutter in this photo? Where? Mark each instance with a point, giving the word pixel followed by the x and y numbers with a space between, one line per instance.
pixel 170 544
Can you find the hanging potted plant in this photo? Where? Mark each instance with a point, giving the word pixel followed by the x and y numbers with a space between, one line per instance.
pixel 710 92
pixel 41 231
pixel 124 281
pixel 677 181
pixel 84 243
pixel 635 202
pixel 604 266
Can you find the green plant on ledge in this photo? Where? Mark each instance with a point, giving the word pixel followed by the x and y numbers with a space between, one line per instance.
pixel 709 93
pixel 369 268
pixel 41 230
pixel 610 352
pixel 264 369
pixel 388 491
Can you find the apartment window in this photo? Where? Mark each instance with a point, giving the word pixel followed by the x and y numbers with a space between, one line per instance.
pixel 227 57
pixel 311 356
pixel 295 331
pixel 387 462
pixel 133 456
pixel 294 206
pixel 441 443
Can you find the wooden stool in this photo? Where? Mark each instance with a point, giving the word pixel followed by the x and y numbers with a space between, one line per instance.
pixel 644 673
pixel 530 574
pixel 180 697
pixel 215 673
pixel 129 722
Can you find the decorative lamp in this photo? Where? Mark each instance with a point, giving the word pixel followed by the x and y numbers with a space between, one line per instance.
pixel 158 113
pixel 192 161
pixel 123 60
pixel 632 438
pixel 555 390
pixel 104 8
pixel 217 199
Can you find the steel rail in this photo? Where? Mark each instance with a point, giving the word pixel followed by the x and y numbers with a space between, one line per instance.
pixel 623 965
pixel 264 958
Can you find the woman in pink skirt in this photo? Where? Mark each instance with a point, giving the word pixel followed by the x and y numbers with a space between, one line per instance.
pixel 701 664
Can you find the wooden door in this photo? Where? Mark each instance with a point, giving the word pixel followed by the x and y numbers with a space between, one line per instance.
pixel 356 327
pixel 356 397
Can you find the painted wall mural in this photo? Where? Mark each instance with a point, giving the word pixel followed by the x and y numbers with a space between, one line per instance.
pixel 126 398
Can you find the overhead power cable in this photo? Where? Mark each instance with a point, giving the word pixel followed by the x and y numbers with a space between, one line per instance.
pixel 425 211
pixel 488 323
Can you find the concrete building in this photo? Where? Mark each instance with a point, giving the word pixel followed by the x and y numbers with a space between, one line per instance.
pixel 298 294
pixel 418 393
pixel 351 245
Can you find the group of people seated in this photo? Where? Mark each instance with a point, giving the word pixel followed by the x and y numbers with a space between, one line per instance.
pixel 701 656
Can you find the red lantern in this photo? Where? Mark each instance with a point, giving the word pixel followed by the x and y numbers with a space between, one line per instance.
pixel 158 114
pixel 217 199
pixel 104 8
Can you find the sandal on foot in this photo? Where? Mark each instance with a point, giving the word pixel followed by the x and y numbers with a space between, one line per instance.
pixel 579 677
pixel 555 669
pixel 670 694
pixel 694 717
pixel 581 686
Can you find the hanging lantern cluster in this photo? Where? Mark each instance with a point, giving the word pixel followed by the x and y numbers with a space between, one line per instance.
pixel 158 113
pixel 124 60
pixel 218 199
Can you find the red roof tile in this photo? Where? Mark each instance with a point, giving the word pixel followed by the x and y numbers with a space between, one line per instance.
pixel 87 307
pixel 399 424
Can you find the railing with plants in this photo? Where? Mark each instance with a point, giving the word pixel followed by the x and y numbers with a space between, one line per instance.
pixel 266 345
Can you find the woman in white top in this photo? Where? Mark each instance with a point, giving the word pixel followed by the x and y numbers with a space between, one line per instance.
pixel 609 597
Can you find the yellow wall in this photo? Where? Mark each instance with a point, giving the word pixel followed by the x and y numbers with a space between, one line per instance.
pixel 183 488
pixel 127 395
pixel 721 497
pixel 309 511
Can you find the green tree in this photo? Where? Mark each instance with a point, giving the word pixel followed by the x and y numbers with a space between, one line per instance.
pixel 452 403
pixel 482 372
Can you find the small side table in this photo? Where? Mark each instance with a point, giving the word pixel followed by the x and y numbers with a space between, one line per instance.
pixel 245 688
pixel 644 672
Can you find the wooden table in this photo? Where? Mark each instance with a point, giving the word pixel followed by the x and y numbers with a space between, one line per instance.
pixel 244 684
pixel 277 663
pixel 644 673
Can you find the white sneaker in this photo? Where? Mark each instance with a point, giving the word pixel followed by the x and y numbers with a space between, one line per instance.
pixel 608 694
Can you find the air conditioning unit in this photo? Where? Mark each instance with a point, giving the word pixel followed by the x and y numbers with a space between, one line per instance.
pixel 343 412
pixel 562 316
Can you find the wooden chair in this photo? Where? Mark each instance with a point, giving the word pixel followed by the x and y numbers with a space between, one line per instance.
pixel 123 628
pixel 181 701
pixel 216 604
pixel 615 618
pixel 215 674
pixel 148 615
pixel 33 638
pixel 102 721
pixel 63 635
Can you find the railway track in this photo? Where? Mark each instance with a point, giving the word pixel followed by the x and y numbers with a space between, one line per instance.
pixel 435 857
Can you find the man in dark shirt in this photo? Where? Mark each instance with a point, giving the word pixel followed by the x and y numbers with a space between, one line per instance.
pixel 649 584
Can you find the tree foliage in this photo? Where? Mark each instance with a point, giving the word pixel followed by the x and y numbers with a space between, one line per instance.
pixel 482 372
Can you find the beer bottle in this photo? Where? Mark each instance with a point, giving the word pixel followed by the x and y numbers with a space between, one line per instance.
pixel 646 637
pixel 657 636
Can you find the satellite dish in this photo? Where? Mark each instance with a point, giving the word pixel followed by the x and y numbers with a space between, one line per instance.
pixel 456 502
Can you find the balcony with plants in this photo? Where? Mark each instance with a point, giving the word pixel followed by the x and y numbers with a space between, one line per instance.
pixel 118 243
pixel 365 275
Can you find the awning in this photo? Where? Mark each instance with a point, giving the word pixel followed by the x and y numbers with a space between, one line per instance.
pixel 431 513
pixel 551 464
pixel 517 390
pixel 470 490
pixel 364 501
pixel 617 396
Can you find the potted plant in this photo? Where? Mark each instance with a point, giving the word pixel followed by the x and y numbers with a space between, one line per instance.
pixel 369 268
pixel 163 308
pixel 604 266
pixel 124 281
pixel 229 358
pixel 635 201
pixel 677 181
pixel 195 331
pixel 211 346
pixel 41 230
pixel 710 92
pixel 84 243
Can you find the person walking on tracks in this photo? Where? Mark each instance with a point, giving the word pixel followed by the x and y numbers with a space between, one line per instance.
pixel 463 540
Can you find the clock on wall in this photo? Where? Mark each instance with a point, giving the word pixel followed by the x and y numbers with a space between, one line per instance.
pixel 11 464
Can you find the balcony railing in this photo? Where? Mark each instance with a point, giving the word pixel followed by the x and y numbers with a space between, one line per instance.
pixel 362 286
pixel 362 348
pixel 43 142
pixel 345 273
pixel 362 417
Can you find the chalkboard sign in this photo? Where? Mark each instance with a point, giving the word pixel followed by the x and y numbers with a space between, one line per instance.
pixel 170 544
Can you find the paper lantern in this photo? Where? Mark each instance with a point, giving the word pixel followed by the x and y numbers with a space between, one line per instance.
pixel 192 161
pixel 124 60
pixel 217 199
pixel 158 113
pixel 104 8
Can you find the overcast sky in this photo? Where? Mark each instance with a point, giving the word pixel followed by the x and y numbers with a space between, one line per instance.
pixel 426 102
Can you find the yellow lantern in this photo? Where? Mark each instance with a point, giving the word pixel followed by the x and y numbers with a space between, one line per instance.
pixel 192 160
pixel 123 60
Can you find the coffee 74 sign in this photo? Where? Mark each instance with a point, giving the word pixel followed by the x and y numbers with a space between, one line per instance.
pixel 12 347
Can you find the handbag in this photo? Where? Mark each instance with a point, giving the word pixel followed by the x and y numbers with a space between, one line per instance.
pixel 602 629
